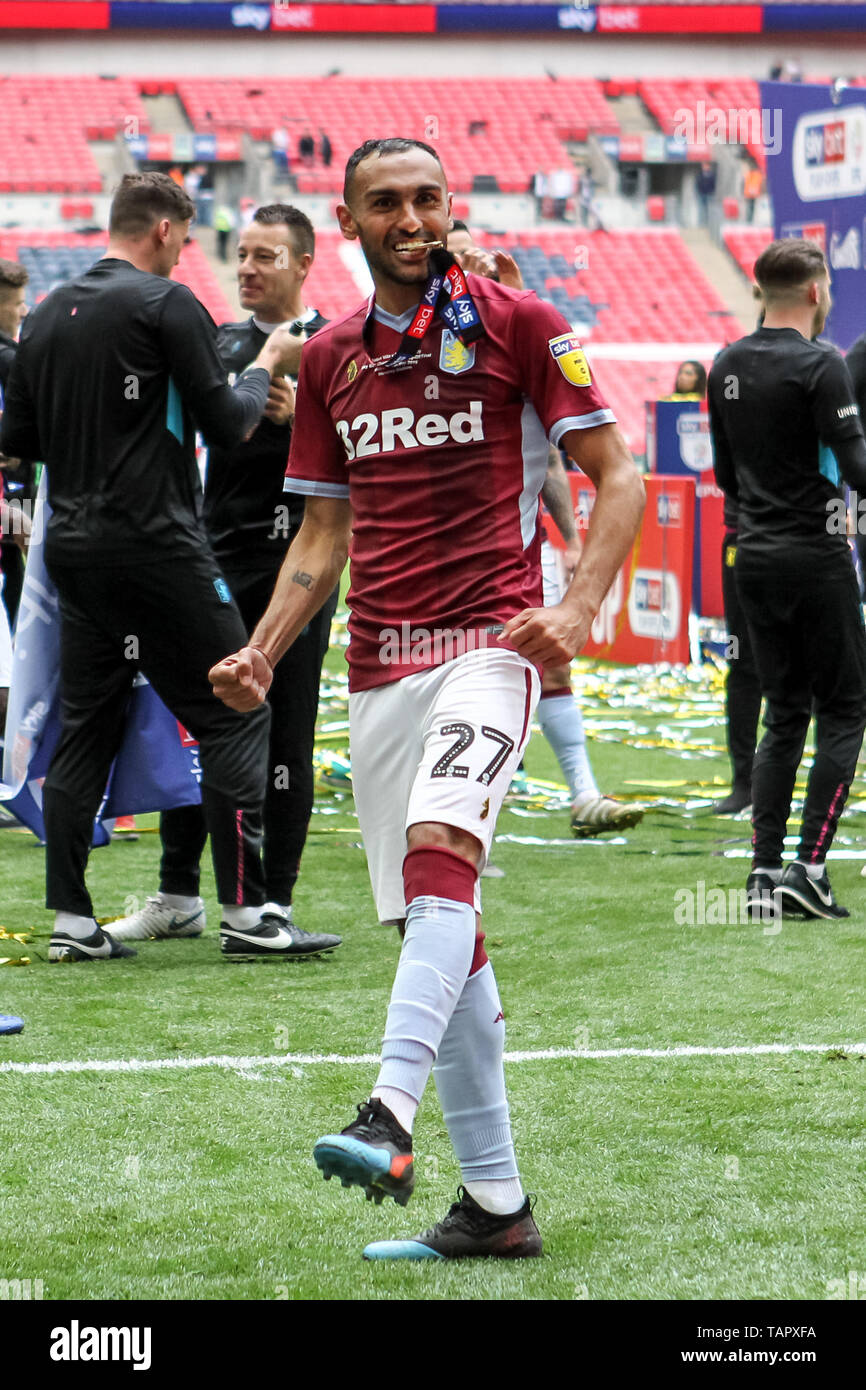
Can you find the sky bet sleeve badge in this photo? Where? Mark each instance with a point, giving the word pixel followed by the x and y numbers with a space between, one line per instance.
pixel 567 352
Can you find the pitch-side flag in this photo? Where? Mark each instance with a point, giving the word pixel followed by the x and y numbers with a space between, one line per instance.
pixel 157 764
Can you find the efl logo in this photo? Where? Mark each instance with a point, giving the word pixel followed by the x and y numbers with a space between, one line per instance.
pixel 807 231
pixel 571 359
pixel 829 154
pixel 654 607
pixel 825 144
pixel 693 435
pixel 669 510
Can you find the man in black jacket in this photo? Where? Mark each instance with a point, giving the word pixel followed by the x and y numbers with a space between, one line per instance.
pixel 13 280
pixel 786 431
pixel 251 521
pixel 114 371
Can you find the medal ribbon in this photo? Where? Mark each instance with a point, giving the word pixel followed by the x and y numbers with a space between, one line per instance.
pixel 448 293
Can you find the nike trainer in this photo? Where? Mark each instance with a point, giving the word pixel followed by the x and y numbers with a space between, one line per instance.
pixel 468 1232
pixel 762 904
pixel 373 1152
pixel 98 946
pixel 275 936
pixel 158 922
pixel 811 897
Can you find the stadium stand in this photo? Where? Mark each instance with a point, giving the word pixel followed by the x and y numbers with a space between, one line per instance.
pixel 54 257
pixel 638 285
pixel 519 124
pixel 737 97
pixel 746 244
pixel 46 121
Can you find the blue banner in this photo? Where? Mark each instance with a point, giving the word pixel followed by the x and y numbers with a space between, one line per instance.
pixel 466 19
pixel 204 147
pixel 163 14
pixel 816 173
pixel 156 767
pixel 784 18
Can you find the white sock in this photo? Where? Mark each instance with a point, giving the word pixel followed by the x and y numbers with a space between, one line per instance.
pixel 815 871
pixel 241 918
pixel 277 910
pixel 499 1195
pixel 562 725
pixel 402 1106
pixel 72 925
pixel 774 874
pixel 470 1079
pixel 178 902
pixel 434 963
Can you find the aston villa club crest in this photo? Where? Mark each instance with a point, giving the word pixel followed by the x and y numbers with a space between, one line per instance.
pixel 454 356
pixel 570 358
pixel 352 371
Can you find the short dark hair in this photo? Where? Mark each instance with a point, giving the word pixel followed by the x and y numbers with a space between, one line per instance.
pixel 12 275
pixel 299 225
pixel 457 225
pixel 142 199
pixel 787 264
pixel 395 144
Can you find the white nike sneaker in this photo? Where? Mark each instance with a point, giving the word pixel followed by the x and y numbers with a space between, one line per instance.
pixel 158 922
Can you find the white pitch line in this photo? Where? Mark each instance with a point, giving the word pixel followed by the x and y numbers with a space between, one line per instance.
pixel 336 1059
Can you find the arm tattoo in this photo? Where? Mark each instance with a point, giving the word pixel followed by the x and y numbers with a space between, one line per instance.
pixel 300 577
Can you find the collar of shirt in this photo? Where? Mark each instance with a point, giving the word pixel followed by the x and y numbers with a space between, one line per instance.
pixel 267 328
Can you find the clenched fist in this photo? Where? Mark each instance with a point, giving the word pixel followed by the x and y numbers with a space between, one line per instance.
pixel 242 681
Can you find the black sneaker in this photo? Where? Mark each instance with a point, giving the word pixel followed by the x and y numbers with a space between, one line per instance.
pixel 274 936
pixel 373 1152
pixel 811 896
pixel 762 903
pixel 99 946
pixel 740 799
pixel 468 1232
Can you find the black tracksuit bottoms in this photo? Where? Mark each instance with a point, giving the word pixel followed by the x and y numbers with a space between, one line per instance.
pixel 806 627
pixel 172 619
pixel 288 804
pixel 743 689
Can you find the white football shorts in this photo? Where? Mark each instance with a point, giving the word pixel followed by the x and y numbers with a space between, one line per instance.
pixel 552 573
pixel 441 745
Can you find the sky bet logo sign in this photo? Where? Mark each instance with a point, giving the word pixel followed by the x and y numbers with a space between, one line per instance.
pixel 825 144
pixel 829 154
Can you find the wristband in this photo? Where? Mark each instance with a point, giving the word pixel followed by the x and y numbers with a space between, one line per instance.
pixel 254 648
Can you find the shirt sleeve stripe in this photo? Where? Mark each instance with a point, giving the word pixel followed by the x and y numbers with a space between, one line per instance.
pixel 581 422
pixel 312 489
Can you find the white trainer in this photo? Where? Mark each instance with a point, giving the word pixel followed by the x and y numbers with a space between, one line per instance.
pixel 594 814
pixel 158 922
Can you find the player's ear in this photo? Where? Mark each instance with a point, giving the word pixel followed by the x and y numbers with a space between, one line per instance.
pixel 162 230
pixel 348 225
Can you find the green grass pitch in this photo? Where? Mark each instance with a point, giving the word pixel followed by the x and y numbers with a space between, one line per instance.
pixel 670 1178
